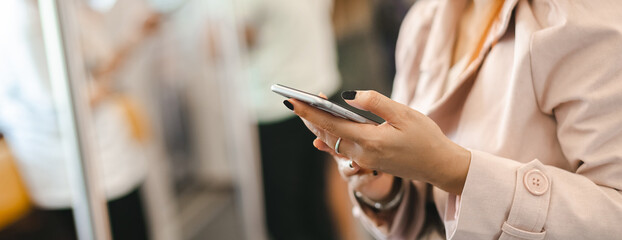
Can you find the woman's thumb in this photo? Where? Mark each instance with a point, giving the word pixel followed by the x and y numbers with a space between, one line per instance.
pixel 374 102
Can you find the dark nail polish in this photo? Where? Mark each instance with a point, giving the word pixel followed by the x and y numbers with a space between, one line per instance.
pixel 288 105
pixel 375 173
pixel 350 164
pixel 348 95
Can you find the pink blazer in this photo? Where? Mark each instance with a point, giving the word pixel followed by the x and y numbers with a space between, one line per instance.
pixel 541 111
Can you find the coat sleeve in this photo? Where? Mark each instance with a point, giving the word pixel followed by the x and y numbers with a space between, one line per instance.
pixel 577 77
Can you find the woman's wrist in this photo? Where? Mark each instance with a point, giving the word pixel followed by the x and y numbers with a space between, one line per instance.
pixel 457 160
pixel 379 188
pixel 389 202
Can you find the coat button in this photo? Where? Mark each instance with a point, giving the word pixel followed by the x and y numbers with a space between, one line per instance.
pixel 536 182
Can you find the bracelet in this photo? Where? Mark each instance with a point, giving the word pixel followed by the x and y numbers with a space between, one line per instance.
pixel 397 190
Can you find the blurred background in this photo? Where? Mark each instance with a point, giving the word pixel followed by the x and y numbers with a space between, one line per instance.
pixel 154 119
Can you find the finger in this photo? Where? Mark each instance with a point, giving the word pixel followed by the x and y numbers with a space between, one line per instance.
pixel 359 181
pixel 322 95
pixel 328 142
pixel 348 166
pixel 376 103
pixel 331 124
pixel 320 145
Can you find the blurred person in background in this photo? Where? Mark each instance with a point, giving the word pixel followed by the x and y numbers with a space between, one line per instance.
pixel 290 43
pixel 28 118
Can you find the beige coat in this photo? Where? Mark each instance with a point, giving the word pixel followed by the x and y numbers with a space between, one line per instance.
pixel 541 111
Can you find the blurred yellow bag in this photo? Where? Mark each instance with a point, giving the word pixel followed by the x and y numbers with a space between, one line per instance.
pixel 14 201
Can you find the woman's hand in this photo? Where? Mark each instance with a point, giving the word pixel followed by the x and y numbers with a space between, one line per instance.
pixel 373 184
pixel 408 144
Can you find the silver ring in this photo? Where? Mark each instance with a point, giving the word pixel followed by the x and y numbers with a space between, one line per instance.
pixel 337 146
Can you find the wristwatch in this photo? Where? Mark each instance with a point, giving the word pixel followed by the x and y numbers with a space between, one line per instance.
pixel 397 191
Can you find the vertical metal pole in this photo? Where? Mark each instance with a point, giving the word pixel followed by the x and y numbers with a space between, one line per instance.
pixel 242 143
pixel 68 82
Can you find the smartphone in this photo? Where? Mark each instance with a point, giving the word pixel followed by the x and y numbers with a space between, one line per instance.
pixel 323 104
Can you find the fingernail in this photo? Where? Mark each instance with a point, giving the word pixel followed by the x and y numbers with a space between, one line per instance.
pixel 288 105
pixel 350 164
pixel 348 95
pixel 375 173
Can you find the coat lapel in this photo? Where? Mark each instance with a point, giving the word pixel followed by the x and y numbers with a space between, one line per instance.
pixel 437 55
pixel 448 102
